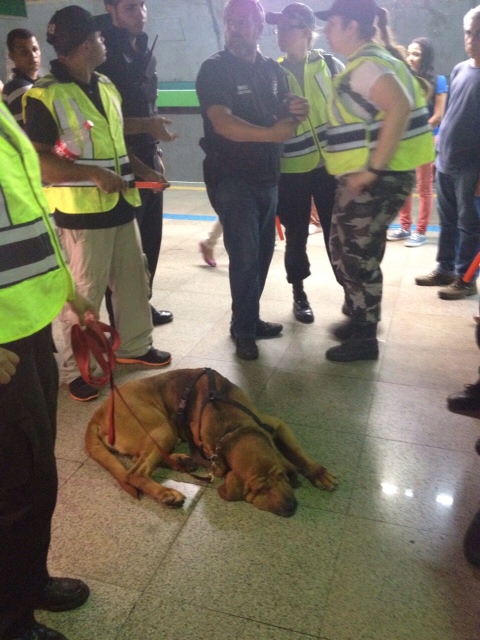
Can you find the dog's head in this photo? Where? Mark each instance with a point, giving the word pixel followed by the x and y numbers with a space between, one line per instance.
pixel 255 471
pixel 271 492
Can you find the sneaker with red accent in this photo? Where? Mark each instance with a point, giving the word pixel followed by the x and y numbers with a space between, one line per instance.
pixel 153 358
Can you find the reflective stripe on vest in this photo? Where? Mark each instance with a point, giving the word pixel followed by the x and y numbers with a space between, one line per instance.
pixel 101 146
pixel 350 139
pixel 34 279
pixel 303 152
pixel 26 253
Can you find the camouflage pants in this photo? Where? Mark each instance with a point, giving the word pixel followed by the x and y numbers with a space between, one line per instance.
pixel 358 239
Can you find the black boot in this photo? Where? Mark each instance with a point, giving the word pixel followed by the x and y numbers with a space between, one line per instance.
pixel 362 344
pixel 342 330
pixel 301 307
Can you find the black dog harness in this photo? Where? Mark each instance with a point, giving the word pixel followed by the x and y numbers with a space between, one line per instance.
pixel 212 396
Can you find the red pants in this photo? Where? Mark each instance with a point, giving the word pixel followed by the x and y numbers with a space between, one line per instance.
pixel 425 194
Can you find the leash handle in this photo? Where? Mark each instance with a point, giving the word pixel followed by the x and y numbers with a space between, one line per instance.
pixel 92 341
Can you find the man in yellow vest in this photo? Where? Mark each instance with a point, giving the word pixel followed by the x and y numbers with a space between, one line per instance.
pixel 35 283
pixel 76 113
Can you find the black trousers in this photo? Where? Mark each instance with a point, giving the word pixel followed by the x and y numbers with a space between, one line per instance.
pixel 150 223
pixel 295 192
pixel 28 477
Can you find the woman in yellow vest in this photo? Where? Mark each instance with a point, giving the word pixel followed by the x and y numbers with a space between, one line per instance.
pixel 303 174
pixel 378 133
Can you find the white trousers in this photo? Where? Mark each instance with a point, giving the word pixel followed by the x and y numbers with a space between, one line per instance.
pixel 113 257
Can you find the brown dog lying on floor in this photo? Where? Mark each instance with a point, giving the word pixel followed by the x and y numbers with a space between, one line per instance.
pixel 257 454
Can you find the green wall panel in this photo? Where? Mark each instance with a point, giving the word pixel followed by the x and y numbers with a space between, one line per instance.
pixel 13 8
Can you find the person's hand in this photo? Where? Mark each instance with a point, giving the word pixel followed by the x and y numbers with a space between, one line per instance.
pixel 150 175
pixel 298 107
pixel 158 130
pixel 358 182
pixel 108 181
pixel 82 307
pixel 283 130
pixel 8 365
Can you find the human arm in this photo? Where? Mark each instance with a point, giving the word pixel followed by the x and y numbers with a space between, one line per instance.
pixel 56 170
pixel 389 96
pixel 238 130
pixel 8 365
pixel 440 102
pixel 155 126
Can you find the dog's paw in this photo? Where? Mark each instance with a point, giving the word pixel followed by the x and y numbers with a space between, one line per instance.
pixel 323 479
pixel 185 462
pixel 171 498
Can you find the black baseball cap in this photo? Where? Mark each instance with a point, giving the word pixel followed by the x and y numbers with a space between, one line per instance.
pixel 295 11
pixel 69 27
pixel 363 11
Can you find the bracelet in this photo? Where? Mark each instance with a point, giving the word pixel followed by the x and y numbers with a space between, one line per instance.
pixel 377 172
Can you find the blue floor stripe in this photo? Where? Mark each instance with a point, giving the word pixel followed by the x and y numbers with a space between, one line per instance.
pixel 190 216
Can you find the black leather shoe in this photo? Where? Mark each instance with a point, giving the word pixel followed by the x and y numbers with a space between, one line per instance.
pixel 39 632
pixel 246 348
pixel 160 317
pixel 303 311
pixel 268 329
pixel 62 594
pixel 466 400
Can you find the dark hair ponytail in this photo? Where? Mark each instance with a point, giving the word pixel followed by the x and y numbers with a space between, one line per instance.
pixel 386 36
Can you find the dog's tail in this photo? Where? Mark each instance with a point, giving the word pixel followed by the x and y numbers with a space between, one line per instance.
pixel 97 448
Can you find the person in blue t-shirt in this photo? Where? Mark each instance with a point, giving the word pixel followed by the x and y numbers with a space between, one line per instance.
pixel 458 168
pixel 420 59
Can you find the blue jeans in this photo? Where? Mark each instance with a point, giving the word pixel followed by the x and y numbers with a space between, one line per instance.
pixel 247 213
pixel 459 240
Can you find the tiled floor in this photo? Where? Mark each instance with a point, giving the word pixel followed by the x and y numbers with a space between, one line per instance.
pixel 379 559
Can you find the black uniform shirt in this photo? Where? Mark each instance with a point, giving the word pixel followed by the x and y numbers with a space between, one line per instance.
pixel 253 92
pixel 133 71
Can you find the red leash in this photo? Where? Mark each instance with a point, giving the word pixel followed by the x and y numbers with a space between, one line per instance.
pixel 92 340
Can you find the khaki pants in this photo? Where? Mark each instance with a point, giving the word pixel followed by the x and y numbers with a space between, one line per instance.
pixel 108 257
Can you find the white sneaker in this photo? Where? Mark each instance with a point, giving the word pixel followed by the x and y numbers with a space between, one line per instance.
pixel 398 234
pixel 416 240
pixel 312 228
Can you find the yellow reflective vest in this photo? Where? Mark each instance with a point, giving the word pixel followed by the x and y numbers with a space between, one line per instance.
pixel 34 279
pixel 303 152
pixel 351 139
pixel 103 145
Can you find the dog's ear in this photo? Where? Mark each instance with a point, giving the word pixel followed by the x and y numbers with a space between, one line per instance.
pixel 232 489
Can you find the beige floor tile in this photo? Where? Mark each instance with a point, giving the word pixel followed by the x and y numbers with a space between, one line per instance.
pixel 234 558
pixel 170 619
pixel 416 485
pixel 101 617
pixel 402 584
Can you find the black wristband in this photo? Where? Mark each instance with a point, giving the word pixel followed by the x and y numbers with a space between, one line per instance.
pixel 377 172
